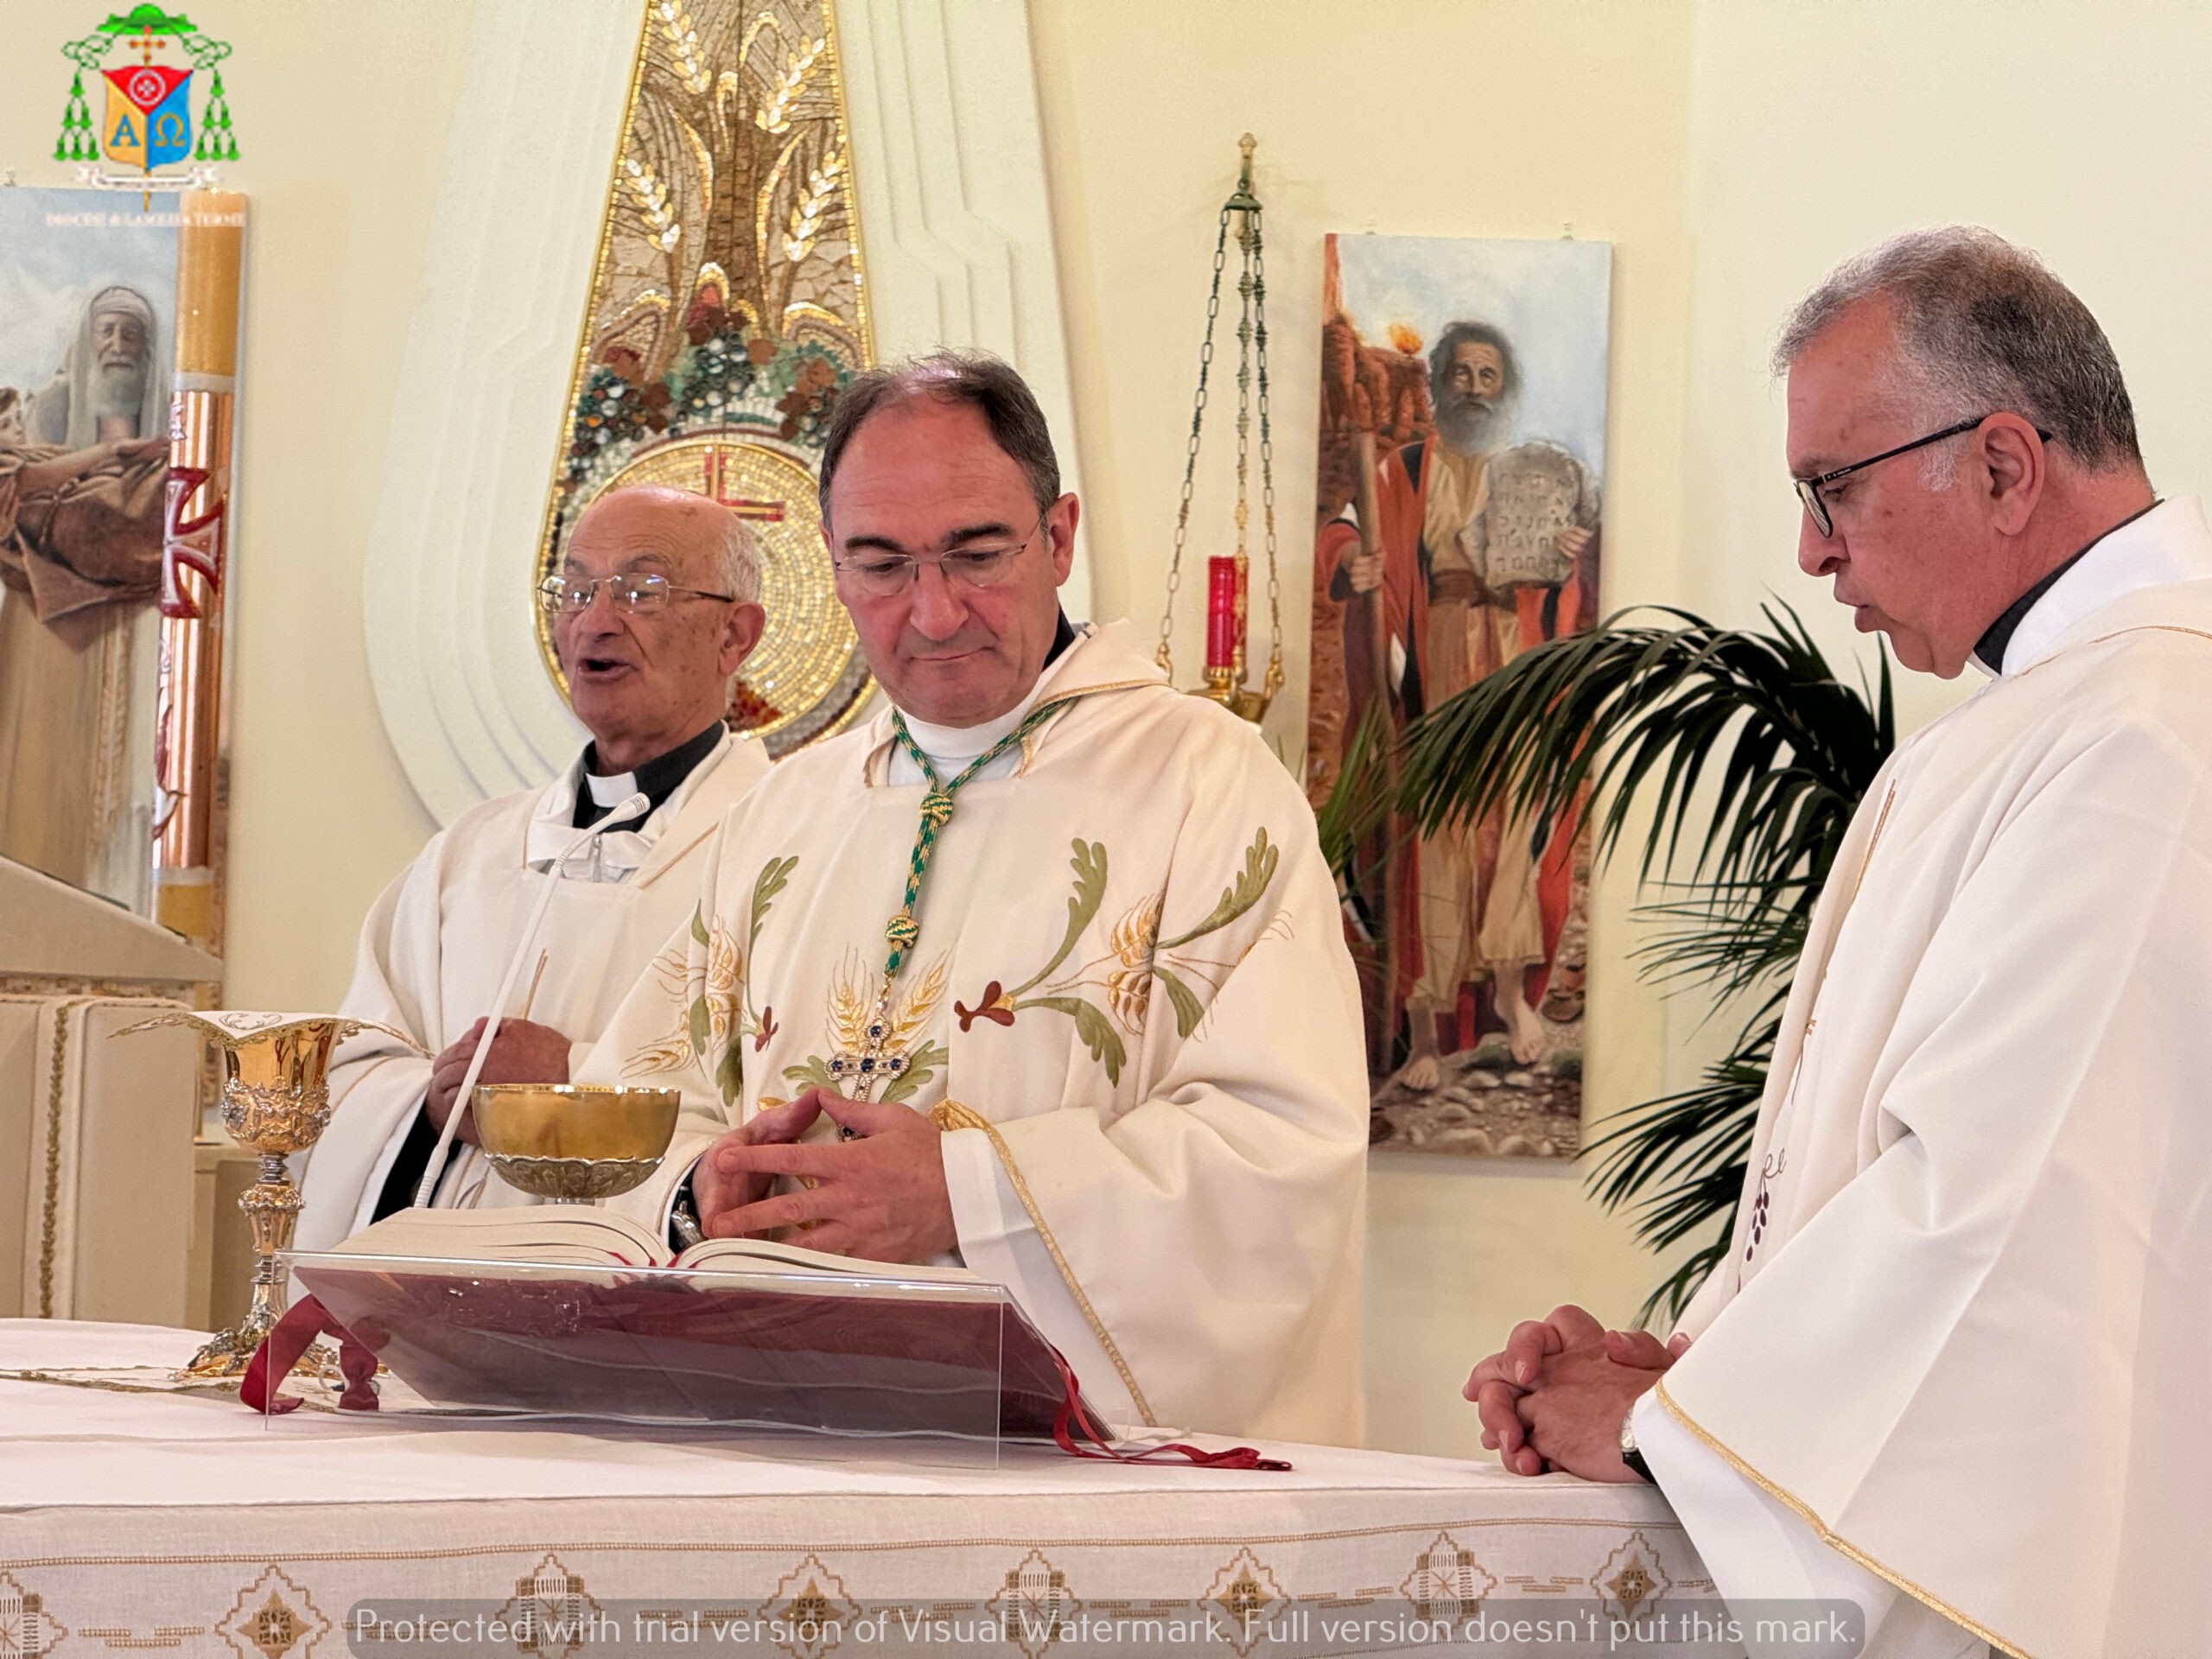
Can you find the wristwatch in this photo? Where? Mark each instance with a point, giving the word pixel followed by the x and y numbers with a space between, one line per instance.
pixel 1630 1456
pixel 682 1219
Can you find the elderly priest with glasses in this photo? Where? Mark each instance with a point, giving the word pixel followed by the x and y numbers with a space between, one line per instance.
pixel 1041 971
pixel 1953 1363
pixel 656 604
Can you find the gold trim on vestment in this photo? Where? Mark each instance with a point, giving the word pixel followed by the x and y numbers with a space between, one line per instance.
pixel 2102 639
pixel 951 1115
pixel 1841 1546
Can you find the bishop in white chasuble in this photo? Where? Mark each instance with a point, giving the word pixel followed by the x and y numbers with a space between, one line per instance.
pixel 1129 1004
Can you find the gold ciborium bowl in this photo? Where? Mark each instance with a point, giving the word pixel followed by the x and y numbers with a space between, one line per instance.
pixel 573 1142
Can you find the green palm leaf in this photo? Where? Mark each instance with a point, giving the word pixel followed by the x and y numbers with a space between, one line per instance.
pixel 1751 755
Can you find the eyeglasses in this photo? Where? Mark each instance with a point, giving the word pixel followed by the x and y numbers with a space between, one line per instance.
pixel 1809 489
pixel 631 591
pixel 886 575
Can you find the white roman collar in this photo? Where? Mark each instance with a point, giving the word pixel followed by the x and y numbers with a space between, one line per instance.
pixel 952 747
pixel 2170 543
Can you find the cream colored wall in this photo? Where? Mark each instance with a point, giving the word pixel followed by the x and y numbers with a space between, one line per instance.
pixel 1817 131
pixel 1394 116
pixel 341 129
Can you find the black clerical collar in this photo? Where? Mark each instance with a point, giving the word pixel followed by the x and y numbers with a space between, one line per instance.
pixel 1990 648
pixel 1063 637
pixel 658 778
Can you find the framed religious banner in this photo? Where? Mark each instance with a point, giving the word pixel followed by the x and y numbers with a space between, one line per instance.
pixel 1459 523
pixel 118 323
pixel 726 310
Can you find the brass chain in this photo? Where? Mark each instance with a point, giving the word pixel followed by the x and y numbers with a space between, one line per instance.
pixel 1251 389
pixel 1273 683
pixel 1165 655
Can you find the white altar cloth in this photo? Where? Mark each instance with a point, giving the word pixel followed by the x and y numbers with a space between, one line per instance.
pixel 186 1524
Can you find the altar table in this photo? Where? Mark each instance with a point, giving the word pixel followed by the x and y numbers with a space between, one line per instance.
pixel 166 1524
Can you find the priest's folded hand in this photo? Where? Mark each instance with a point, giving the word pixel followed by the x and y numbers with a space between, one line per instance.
pixel 1554 1396
pixel 522 1053
pixel 880 1196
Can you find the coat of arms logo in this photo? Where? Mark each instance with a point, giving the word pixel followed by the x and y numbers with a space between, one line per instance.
pixel 146 121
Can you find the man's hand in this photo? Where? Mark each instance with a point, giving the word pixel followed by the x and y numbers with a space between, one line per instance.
pixel 1554 1396
pixel 1361 569
pixel 1575 541
pixel 720 1186
pixel 522 1053
pixel 881 1198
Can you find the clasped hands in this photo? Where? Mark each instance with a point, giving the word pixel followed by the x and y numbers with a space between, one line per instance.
pixel 880 1196
pixel 1554 1398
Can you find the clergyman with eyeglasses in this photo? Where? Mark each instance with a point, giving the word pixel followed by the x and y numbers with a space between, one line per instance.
pixel 1953 1364
pixel 1040 970
pixel 655 606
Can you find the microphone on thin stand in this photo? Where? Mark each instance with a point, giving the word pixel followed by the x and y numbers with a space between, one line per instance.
pixel 636 806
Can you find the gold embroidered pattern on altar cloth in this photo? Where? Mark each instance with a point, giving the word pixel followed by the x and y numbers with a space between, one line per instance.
pixel 1632 1575
pixel 811 1610
pixel 1447 1582
pixel 273 1618
pixel 1249 1596
pixel 1032 1602
pixel 550 1613
pixel 27 1630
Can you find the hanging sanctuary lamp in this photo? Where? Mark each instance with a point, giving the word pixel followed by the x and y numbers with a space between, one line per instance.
pixel 1227 576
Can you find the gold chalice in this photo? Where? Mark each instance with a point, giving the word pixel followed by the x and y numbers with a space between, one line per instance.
pixel 277 1101
pixel 573 1142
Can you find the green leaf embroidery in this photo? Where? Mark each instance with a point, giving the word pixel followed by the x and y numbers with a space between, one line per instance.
pixel 702 1029
pixel 729 1076
pixel 1260 860
pixel 775 876
pixel 1092 1026
pixel 815 1072
pixel 1188 1009
pixel 918 1072
pixel 1090 866
pixel 699 925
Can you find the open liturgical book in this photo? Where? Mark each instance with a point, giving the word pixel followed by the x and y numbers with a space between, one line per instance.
pixel 582 1236
pixel 582 1312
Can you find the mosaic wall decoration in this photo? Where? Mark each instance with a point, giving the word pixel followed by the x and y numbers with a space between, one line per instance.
pixel 727 311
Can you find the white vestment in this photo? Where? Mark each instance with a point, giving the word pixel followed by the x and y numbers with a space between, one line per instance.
pixel 435 945
pixel 1963 1335
pixel 1130 1004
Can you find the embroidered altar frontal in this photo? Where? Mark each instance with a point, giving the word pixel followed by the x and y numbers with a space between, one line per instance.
pixel 183 1524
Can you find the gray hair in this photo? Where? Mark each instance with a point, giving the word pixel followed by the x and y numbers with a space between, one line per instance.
pixel 737 558
pixel 987 383
pixel 1983 326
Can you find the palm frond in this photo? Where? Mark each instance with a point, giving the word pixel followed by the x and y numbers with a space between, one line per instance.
pixel 1751 755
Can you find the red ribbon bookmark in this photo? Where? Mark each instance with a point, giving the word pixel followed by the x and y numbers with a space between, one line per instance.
pixel 289 1339
pixel 1072 1420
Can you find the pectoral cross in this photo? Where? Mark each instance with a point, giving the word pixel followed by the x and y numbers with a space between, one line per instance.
pixel 743 506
